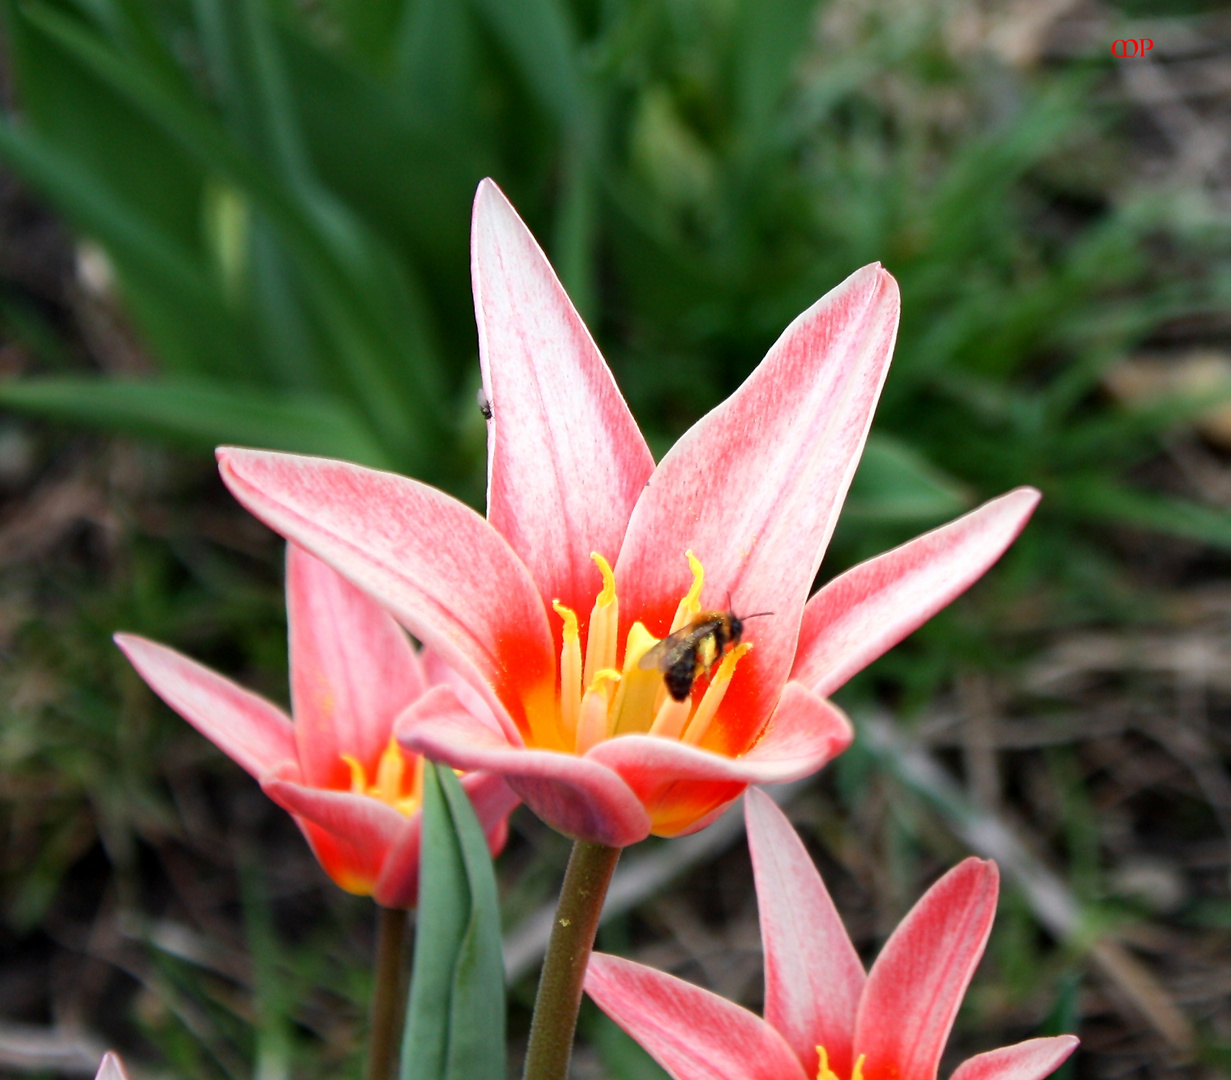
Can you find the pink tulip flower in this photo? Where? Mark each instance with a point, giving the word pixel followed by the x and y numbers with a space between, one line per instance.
pixel 352 789
pixel 591 554
pixel 825 1019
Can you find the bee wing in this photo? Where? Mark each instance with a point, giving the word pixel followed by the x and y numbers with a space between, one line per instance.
pixel 674 647
pixel 666 652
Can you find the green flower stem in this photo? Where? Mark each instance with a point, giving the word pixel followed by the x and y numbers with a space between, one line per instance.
pixel 568 952
pixel 388 993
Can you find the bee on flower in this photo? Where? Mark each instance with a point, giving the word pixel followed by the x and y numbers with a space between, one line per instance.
pixel 555 607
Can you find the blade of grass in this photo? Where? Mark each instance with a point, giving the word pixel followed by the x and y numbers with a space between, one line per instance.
pixel 201 414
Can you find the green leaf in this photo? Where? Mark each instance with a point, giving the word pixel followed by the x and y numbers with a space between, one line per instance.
pixel 201 414
pixel 455 1024
pixel 1101 499
pixel 769 37
pixel 368 302
pixel 158 273
pixel 541 41
pixel 896 483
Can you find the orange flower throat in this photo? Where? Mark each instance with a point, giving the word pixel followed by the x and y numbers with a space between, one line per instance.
pixel 394 783
pixel 601 696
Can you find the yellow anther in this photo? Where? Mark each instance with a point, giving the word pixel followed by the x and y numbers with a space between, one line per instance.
pixel 690 606
pixel 389 770
pixel 570 620
pixel 608 595
pixel 824 1072
pixel 714 693
pixel 389 784
pixel 570 674
pixel 603 636
pixel 358 778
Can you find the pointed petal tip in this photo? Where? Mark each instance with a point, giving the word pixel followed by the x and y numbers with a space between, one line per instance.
pixel 1033 1059
pixel 491 204
pixel 111 1067
pixel 488 189
pixel 1027 496
pixel 976 878
pixel 979 871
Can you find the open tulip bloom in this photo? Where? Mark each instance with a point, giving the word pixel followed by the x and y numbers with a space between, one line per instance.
pixel 337 768
pixel 825 1019
pixel 591 554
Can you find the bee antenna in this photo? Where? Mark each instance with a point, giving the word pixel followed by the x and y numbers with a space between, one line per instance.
pixel 756 615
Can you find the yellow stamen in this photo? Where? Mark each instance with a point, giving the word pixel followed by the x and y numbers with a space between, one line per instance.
pixel 592 724
pixel 570 673
pixel 690 606
pixel 603 636
pixel 714 694
pixel 608 595
pixel 358 780
pixel 633 710
pixel 824 1072
pixel 604 694
pixel 670 716
pixel 390 782
pixel 388 786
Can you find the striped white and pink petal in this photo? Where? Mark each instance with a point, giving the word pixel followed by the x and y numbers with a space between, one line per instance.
pixel 824 1017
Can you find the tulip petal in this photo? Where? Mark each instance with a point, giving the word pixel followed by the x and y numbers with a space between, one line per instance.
pixel 693 1034
pixel 573 795
pixel 813 976
pixel 397 885
pixel 353 670
pixel 492 799
pixel 440 674
pixel 566 461
pixel 432 562
pixel 360 830
pixel 869 609
pixel 248 729
pixel 1029 1060
pixel 111 1068
pixel 755 487
pixel 916 985
pixel 806 731
pixel 680 783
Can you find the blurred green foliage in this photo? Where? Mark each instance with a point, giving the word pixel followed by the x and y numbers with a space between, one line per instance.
pixel 281 191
